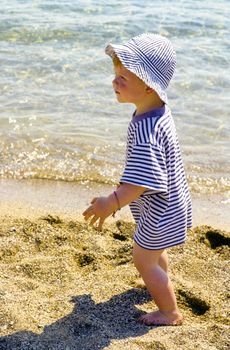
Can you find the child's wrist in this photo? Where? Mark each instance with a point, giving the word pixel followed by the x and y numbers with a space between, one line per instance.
pixel 117 200
pixel 117 203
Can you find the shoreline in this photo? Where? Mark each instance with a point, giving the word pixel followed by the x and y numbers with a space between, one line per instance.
pixel 34 198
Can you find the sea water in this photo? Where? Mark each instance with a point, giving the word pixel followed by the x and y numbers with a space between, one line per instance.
pixel 59 118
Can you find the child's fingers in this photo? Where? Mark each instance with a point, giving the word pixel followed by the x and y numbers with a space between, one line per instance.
pixel 87 216
pixel 101 222
pixel 85 212
pixel 88 212
pixel 93 200
pixel 94 219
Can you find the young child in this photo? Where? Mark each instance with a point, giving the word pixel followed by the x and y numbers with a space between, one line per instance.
pixel 153 182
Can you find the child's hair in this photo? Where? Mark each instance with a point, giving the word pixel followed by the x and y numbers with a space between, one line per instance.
pixel 116 61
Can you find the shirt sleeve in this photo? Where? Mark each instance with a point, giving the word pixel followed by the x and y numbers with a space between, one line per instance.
pixel 146 166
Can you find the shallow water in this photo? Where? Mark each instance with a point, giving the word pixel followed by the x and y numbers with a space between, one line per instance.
pixel 59 118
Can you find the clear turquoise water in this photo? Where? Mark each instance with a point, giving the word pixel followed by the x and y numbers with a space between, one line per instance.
pixel 59 118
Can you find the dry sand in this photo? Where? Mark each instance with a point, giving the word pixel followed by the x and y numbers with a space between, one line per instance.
pixel 65 286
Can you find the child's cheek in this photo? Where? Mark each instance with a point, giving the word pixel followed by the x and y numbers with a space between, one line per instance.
pixel 121 83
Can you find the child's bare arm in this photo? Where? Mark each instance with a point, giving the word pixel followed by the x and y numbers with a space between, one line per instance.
pixel 102 207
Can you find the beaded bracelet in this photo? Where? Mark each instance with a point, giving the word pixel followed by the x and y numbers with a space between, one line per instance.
pixel 118 203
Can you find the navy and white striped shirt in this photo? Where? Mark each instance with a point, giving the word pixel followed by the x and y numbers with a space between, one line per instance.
pixel 153 160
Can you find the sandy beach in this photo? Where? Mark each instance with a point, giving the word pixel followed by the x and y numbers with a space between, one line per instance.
pixel 64 285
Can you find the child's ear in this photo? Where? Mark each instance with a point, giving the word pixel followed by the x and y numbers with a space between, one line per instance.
pixel 148 89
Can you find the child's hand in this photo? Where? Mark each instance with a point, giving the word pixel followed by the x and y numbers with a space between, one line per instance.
pixel 100 209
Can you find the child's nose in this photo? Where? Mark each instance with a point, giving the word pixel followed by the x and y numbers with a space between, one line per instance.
pixel 115 81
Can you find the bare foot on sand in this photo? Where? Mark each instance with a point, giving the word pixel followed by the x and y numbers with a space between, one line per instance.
pixel 157 318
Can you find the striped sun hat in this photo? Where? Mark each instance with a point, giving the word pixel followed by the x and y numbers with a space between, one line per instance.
pixel 151 57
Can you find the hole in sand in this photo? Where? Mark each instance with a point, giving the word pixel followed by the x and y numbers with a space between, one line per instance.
pixel 52 219
pixel 199 307
pixel 216 239
pixel 119 236
pixel 85 259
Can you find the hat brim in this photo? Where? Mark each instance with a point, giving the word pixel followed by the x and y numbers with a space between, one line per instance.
pixel 131 62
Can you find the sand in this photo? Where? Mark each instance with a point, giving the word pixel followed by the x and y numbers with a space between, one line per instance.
pixel 66 286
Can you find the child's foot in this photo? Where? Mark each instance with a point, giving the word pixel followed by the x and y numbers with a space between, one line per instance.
pixel 157 318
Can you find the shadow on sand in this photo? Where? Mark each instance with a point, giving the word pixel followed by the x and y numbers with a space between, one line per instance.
pixel 90 326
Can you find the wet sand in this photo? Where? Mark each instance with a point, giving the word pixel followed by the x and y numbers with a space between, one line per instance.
pixel 31 198
pixel 65 285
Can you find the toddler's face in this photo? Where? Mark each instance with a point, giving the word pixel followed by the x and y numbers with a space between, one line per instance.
pixel 127 86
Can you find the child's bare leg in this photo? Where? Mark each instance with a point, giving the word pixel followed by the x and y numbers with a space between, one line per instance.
pixel 163 261
pixel 158 285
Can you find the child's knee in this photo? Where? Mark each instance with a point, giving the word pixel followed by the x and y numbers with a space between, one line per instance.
pixel 137 261
pixel 141 262
pixel 144 259
pixel 138 257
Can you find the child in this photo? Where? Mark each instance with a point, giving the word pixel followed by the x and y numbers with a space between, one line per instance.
pixel 153 182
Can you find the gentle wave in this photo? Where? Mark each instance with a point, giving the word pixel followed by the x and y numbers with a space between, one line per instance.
pixel 93 164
